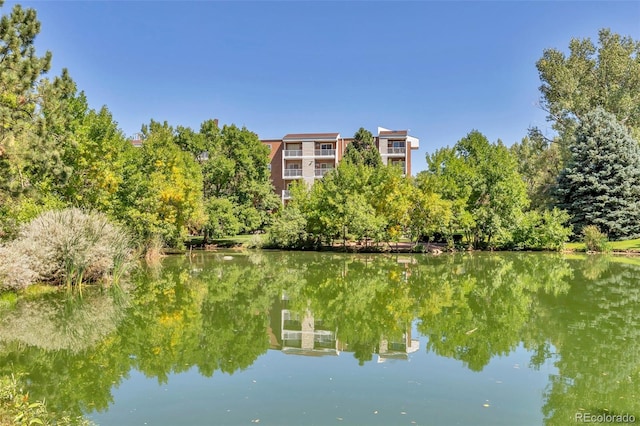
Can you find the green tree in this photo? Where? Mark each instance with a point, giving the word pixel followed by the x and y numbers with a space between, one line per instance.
pixel 601 183
pixel 237 168
pixel 363 150
pixel 539 163
pixel 161 194
pixel 607 75
pixel 221 218
pixel 482 182
pixel 288 230
pixel 430 215
pixel 20 70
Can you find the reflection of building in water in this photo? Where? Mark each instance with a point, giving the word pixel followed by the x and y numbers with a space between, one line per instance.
pixel 294 333
pixel 298 333
pixel 399 348
pixel 306 336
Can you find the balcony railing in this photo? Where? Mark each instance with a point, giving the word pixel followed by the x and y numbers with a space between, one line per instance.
pixel 325 152
pixel 292 153
pixel 286 194
pixel 396 150
pixel 322 172
pixel 292 173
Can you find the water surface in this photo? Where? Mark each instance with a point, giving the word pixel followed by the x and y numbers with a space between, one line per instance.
pixel 323 338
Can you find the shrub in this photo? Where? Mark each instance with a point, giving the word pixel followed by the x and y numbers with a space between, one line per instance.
pixel 255 242
pixel 66 247
pixel 288 230
pixel 546 231
pixel 17 409
pixel 594 239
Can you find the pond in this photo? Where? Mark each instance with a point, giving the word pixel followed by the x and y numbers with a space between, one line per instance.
pixel 281 338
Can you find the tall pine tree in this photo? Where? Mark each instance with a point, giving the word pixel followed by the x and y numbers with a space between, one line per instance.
pixel 20 70
pixel 363 150
pixel 601 183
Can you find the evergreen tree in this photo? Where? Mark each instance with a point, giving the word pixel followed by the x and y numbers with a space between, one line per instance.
pixel 363 150
pixel 20 70
pixel 601 183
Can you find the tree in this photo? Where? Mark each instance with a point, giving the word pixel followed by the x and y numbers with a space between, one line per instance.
pixel 237 168
pixel 601 183
pixel 363 150
pixel 430 214
pixel 539 164
pixel 607 75
pixel 221 219
pixel 98 162
pixel 20 70
pixel 288 229
pixel 482 182
pixel 161 194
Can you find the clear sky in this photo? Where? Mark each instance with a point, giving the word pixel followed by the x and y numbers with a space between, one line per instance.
pixel 439 69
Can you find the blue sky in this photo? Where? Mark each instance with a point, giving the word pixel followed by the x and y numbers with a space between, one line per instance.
pixel 440 69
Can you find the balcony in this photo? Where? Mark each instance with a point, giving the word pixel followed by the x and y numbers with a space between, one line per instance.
pixel 321 172
pixel 292 173
pixel 325 152
pixel 396 150
pixel 289 153
pixel 286 194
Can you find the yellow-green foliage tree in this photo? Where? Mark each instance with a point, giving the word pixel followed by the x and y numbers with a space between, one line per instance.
pixel 161 194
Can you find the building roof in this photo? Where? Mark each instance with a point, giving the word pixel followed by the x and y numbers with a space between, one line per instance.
pixel 393 133
pixel 311 136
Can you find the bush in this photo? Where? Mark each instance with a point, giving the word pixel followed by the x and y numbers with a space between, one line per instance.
pixel 288 230
pixel 595 240
pixel 546 231
pixel 17 409
pixel 255 242
pixel 66 247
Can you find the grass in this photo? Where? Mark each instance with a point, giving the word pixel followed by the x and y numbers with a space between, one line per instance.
pixel 632 246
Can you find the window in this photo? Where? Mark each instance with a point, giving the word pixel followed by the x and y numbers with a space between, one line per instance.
pixel 326 146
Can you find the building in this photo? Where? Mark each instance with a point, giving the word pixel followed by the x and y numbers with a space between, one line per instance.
pixel 309 156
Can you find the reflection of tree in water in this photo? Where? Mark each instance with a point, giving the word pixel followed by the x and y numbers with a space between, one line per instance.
pixel 213 314
pixel 475 307
pixel 73 359
pixel 596 331
pixel 363 297
pixel 215 320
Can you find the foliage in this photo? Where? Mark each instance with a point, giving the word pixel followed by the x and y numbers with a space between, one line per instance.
pixel 66 247
pixel 288 230
pixel 594 239
pixel 16 408
pixel 222 220
pixel 236 168
pixel 542 231
pixel 600 185
pixel 606 75
pixel 431 215
pixel 20 70
pixel 482 182
pixel 362 150
pixel 539 163
pixel 161 190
